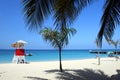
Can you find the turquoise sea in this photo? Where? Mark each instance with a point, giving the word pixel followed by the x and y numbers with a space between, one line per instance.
pixel 6 55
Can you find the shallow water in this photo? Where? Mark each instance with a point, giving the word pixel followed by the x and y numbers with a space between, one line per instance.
pixel 6 55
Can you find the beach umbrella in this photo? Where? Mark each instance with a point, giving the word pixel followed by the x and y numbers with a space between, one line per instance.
pixel 21 41
pixel 19 44
pixel 14 45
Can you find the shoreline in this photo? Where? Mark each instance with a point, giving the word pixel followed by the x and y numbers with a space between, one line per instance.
pixel 72 60
pixel 54 60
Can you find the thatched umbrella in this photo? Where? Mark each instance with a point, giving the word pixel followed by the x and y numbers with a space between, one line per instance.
pixel 19 44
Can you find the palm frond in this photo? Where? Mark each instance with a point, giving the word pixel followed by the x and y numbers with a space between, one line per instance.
pixel 50 35
pixel 46 34
pixel 66 34
pixel 97 44
pixel 115 43
pixel 35 11
pixel 109 20
pixel 56 38
pixel 66 11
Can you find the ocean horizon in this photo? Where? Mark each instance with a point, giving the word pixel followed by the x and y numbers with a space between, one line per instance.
pixel 6 55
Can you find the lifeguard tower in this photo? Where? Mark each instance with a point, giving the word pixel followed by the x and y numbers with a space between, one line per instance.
pixel 19 54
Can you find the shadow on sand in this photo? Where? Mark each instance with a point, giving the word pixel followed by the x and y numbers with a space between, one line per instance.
pixel 1 73
pixel 86 74
pixel 35 78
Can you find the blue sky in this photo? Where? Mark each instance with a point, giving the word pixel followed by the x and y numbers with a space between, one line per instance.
pixel 13 28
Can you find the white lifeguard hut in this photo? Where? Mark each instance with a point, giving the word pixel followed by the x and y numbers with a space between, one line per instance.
pixel 19 54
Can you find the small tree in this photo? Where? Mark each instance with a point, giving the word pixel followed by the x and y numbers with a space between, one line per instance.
pixel 115 43
pixel 58 39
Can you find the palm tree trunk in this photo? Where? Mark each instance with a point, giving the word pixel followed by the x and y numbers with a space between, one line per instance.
pixel 60 60
pixel 116 53
pixel 98 57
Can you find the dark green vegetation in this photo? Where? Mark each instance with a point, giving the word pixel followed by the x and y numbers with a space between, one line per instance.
pixel 66 11
pixel 110 19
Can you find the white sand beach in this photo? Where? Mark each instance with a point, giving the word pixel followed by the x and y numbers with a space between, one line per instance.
pixel 86 69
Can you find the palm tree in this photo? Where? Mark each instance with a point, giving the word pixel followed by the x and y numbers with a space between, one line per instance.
pixel 66 11
pixel 109 20
pixel 115 43
pixel 57 39
pixel 63 11
pixel 99 48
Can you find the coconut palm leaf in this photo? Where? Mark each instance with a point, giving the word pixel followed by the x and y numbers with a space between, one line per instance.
pixel 57 38
pixel 109 20
pixel 115 43
pixel 51 36
pixel 36 10
pixel 66 11
pixel 66 34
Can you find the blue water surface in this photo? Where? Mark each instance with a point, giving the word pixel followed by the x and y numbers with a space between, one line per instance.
pixel 6 56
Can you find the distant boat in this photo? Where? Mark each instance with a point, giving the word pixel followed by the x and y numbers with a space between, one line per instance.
pixel 28 54
pixel 116 52
pixel 94 51
pixel 102 52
